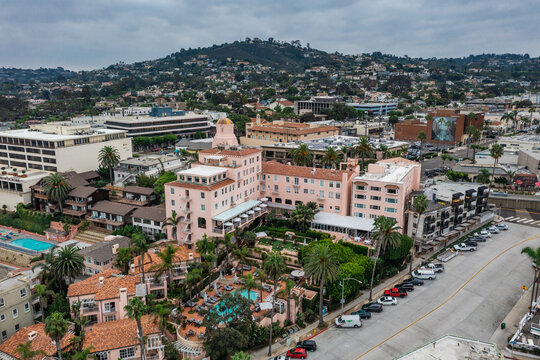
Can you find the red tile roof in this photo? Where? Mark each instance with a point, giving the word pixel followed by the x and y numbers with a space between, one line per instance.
pixel 229 152
pixel 218 185
pixel 273 167
pixel 152 260
pixel 112 283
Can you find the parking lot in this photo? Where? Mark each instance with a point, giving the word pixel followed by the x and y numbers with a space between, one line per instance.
pixel 470 298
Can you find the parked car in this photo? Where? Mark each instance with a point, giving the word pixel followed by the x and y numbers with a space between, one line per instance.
pixel 423 276
pixel 502 226
pixel 437 268
pixel 484 233
pixel 297 353
pixel 478 238
pixel 414 281
pixel 348 321
pixel 425 271
pixel 406 286
pixel 464 247
pixel 387 300
pixel 279 357
pixel 372 307
pixel 493 229
pixel 471 242
pixel 363 314
pixel 395 292
pixel 309 345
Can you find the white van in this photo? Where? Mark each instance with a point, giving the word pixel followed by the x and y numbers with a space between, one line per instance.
pixel 420 276
pixel 349 321
pixel 425 271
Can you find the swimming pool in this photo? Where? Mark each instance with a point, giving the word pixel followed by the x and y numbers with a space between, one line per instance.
pixel 252 296
pixel 32 244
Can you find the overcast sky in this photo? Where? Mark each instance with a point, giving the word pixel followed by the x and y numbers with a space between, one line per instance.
pixel 89 34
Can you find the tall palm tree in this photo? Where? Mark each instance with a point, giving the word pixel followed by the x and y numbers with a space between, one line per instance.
pixel 192 278
pixel 496 153
pixel 302 215
pixel 422 137
pixel 135 310
pixel 227 247
pixel 26 352
pixel 323 266
pixel 534 255
pixel 205 246
pixel 167 258
pixel 330 157
pixel 364 150
pixel 42 292
pixel 345 152
pixel 262 277
pixel 301 155
pixel 475 148
pixel 420 205
pixel 469 131
pixel 123 259
pixel 507 117
pixel 55 328
pixel 274 267
pixel 386 234
pixel 56 187
pixel 249 283
pixel 140 245
pixel 109 157
pixel 173 222
pixel 68 263
pixel 161 313
pixel 289 285
pixel 45 268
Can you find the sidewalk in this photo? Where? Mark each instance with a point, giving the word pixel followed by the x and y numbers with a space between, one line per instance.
pixel 312 330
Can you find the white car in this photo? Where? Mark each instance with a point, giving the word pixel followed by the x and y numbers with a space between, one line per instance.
pixel 484 233
pixel 279 357
pixel 493 229
pixel 502 226
pixel 387 300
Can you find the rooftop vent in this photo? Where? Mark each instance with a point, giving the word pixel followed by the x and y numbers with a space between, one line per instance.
pixel 101 280
pixel 32 335
pixel 190 256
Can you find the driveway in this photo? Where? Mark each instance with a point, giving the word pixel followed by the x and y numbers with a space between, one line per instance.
pixel 471 298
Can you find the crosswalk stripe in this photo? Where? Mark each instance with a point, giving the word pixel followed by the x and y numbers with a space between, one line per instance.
pixel 537 221
pixel 521 220
pixel 528 221
pixel 510 218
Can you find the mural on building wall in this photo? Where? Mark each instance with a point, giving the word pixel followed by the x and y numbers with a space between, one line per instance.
pixel 444 129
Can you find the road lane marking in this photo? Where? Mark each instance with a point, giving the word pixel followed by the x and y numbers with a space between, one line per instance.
pixel 518 210
pixel 510 218
pixel 534 237
pixel 521 220
pixel 528 221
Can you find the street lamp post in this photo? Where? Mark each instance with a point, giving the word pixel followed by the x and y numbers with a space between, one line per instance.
pixel 342 282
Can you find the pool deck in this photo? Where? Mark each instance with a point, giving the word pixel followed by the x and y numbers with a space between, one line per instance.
pixel 21 234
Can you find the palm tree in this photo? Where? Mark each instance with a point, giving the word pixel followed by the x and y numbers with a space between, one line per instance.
pixel 384 150
pixel 241 356
pixel 420 205
pixel 469 131
pixel 364 149
pixel 55 328
pixel 167 258
pixel 192 278
pixel 507 117
pixel 301 155
pixel 422 137
pixel 531 111
pixel 26 352
pixel 135 310
pixel 534 255
pixel 483 176
pixel 345 152
pixel 475 148
pixel 302 215
pixel 139 245
pixel 42 292
pixel 173 222
pixel 45 268
pixel 274 267
pixel 386 233
pixel 68 263
pixel 123 259
pixel 161 313
pixel 511 174
pixel 496 153
pixel 262 279
pixel 323 266
pixel 228 246
pixel 289 285
pixel 249 283
pixel 205 246
pixel 57 188
pixel 330 157
pixel 109 157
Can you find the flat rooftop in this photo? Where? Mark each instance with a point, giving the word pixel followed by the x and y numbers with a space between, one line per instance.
pixel 452 347
pixel 348 222
pixel 49 136
pixel 337 142
pixel 392 173
pixel 446 189
pixel 142 119
pixel 203 170
pixel 149 160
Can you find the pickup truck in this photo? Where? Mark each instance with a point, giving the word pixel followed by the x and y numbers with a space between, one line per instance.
pixel 464 247
pixel 437 268
pixel 395 292
pixel 417 275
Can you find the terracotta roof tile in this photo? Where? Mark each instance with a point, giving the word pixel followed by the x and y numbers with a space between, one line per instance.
pixel 287 129
pixel 112 283
pixel 218 185
pixel 273 167
pixel 40 342
pixel 229 152
pixel 151 259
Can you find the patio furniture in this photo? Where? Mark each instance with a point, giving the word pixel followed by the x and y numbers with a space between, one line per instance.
pixel 219 294
pixel 198 322
pixel 191 320
pixel 218 286
pixel 246 267
pixel 256 273
pixel 267 287
pixel 241 281
pixel 228 287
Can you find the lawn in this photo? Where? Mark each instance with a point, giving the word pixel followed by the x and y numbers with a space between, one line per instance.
pixel 279 244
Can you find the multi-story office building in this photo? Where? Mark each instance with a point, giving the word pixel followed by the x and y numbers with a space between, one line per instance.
pixel 384 189
pixel 316 104
pixel 287 185
pixel 16 305
pixel 60 147
pixel 162 121
pixel 374 108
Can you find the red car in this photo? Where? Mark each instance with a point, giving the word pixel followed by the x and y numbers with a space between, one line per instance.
pixel 297 353
pixel 395 292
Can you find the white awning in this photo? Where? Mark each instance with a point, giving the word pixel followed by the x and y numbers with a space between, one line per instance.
pixel 348 222
pixel 251 212
pixel 264 199
pixel 236 211
pixel 257 209
pixel 228 224
pixel 237 219
pixel 244 216
pixel 263 205
pixel 265 305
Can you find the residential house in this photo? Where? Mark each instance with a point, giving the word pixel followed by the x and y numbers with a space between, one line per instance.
pixel 150 219
pixel 137 196
pixel 16 305
pixel 110 215
pixel 39 339
pixel 101 256
pixel 81 199
pixel 40 200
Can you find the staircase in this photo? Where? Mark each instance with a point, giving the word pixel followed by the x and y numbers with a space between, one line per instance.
pixel 91 236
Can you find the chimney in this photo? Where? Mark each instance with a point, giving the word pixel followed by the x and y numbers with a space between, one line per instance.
pixel 190 256
pixel 115 248
pixel 132 267
pixel 32 335
pixel 101 280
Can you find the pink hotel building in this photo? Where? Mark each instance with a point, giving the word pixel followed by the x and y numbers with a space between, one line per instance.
pixel 230 187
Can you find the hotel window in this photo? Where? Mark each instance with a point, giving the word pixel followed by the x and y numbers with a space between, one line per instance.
pixel 109 307
pixel 390 200
pixel 358 196
pixel 2 317
pixel 215 206
pixel 375 198
pixel 296 190
pixel 374 207
pixel 390 210
pixel 312 191
pixel 338 185
pixel 330 195
pixel 26 307
pixel 202 195
pixel 22 292
pixel 172 190
pixel 337 208
pixel 110 318
pixel 338 196
pixel 287 179
pixel 359 206
pixel 203 207
pixel 391 191
pixel 375 188
pixel 275 177
pixel 313 181
pixel 306 191
pixel 321 182
pixel 321 194
pixel 331 184
pixel 360 215
pixel 15 313
pixel 288 189
pixel 127 353
pixel 2 303
pixel 172 203
pixel 372 216
pixel 321 207
pixel 305 181
pixel 360 187
pixel 4 335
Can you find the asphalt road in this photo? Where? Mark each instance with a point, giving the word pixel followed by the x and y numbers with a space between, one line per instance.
pixel 527 217
pixel 469 299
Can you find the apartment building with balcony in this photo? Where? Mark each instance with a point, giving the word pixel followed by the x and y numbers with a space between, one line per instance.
pixel 81 199
pixel 384 189
pixel 16 186
pixel 59 147
pixel 101 256
pixel 150 219
pixel 110 215
pixel 137 196
pixel 16 305
pixel 39 340
pixel 286 185
pixel 217 194
pixel 127 171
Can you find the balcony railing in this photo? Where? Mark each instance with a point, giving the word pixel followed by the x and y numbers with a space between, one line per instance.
pixel 104 221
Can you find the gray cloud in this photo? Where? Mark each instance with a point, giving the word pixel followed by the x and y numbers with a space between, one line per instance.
pixel 81 34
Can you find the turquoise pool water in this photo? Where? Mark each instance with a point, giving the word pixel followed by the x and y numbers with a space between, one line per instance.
pixel 252 296
pixel 32 244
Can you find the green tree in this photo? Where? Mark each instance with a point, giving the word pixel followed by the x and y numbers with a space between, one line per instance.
pixel 534 255
pixel 447 157
pixel 386 234
pixel 161 313
pixel 249 284
pixel 483 176
pixel 135 311
pixel 192 279
pixel 42 293
pixel 420 205
pixel 496 153
pixel 167 261
pixel 140 245
pixel 123 259
pixel 55 328
pixel 364 150
pixel 205 246
pixel 56 187
pixel 274 267
pixel 355 270
pixel 173 222
pixel 26 352
pixel 330 158
pixel 241 356
pixel 159 184
pixel 68 263
pixel 301 155
pixel 286 292
pixel 302 215
pixel 109 157
pixel 422 137
pixel 321 265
